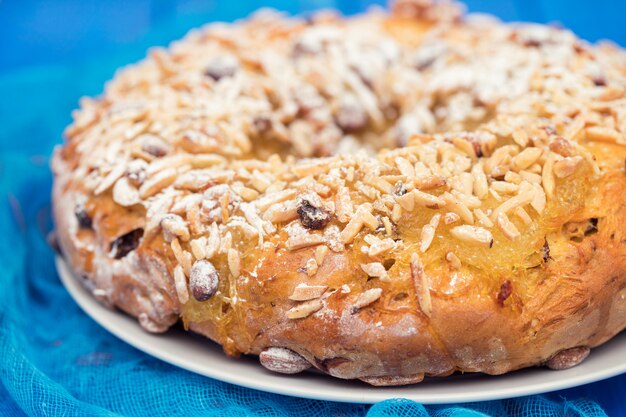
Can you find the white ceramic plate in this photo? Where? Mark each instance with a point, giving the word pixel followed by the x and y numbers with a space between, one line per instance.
pixel 204 357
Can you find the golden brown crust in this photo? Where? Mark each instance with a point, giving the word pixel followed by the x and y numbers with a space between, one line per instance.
pixel 485 250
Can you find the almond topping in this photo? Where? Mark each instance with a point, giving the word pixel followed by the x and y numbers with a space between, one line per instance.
pixel 523 216
pixel 458 207
pixel 304 292
pixel 198 247
pixel 513 202
pixel 311 267
pixel 421 284
pixel 473 234
pixel 454 260
pixel 483 219
pixel 124 193
pixel 111 178
pixel 567 166
pixel 526 158
pixel 520 137
pixel 427 200
pixel 428 232
pixel 305 309
pixel 320 254
pixel 303 241
pixel 481 187
pixel 213 242
pixel 507 227
pixel 375 270
pixel 180 284
pixel 234 262
pixel 156 183
pixel 174 226
pixel 539 198
pixel 362 216
pixel 379 246
pixel 547 176
pixel 451 217
pixel 366 298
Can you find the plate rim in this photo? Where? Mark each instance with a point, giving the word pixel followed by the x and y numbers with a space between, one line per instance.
pixel 138 338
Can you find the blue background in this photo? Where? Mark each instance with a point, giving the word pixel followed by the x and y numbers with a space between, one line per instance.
pixel 54 358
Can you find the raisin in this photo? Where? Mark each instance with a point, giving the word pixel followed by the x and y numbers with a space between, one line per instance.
pixel 532 43
pixel 424 63
pixel 592 227
pixel 545 251
pixel 262 124
pixel 53 241
pixel 126 243
pixel 221 67
pixel 478 150
pixel 599 81
pixel 550 130
pixel 506 289
pixel 203 280
pixel 312 217
pixel 84 220
pixel 155 146
pixel 351 118
pixel 399 189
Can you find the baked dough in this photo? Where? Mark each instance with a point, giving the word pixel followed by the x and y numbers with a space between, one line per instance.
pixel 381 197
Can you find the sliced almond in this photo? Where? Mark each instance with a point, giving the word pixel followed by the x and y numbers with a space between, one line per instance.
pixel 304 292
pixel 451 217
pixel 108 181
pixel 481 187
pixel 174 227
pixel 366 298
pixel 157 182
pixel 456 206
pixel 320 254
pixel 198 247
pixel 303 241
pixel 180 284
pixel 375 270
pixel 520 137
pixel 454 260
pixel 526 158
pixel 234 262
pixel 406 201
pixel 125 193
pixel 213 242
pixel 473 234
pixel 519 200
pixel 311 267
pixel 547 176
pixel 523 216
pixel 379 246
pixel 482 217
pixel 421 284
pixel 428 233
pixel 427 200
pixel 507 227
pixel 567 166
pixel 305 309
pixel 538 201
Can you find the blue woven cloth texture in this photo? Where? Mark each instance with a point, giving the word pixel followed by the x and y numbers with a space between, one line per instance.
pixel 56 361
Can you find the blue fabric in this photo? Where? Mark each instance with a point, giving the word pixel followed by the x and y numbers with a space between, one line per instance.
pixel 54 360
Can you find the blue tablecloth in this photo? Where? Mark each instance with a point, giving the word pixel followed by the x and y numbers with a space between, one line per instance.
pixel 54 360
